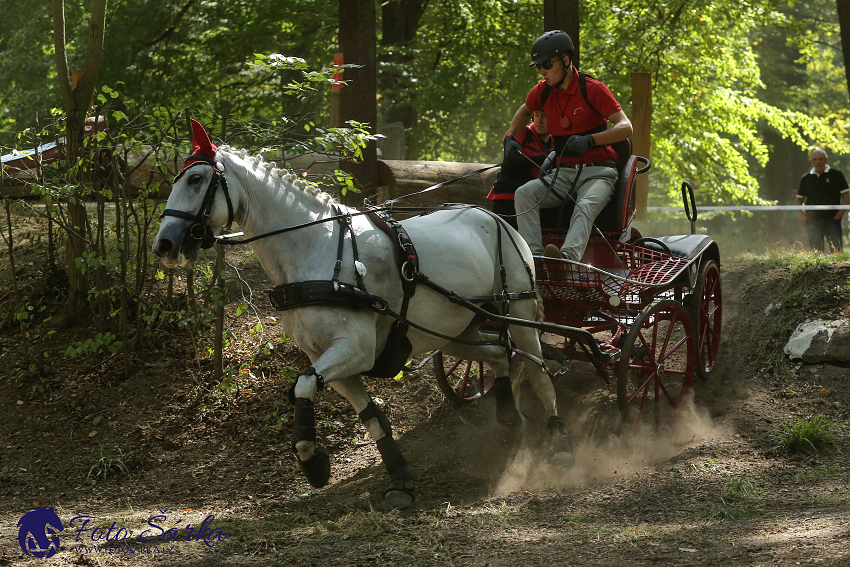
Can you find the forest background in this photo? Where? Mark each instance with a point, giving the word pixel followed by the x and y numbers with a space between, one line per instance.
pixel 741 89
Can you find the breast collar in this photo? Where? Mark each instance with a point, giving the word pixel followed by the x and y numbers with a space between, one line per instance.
pixel 200 230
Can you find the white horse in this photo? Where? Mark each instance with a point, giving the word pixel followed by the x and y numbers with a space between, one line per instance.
pixel 457 249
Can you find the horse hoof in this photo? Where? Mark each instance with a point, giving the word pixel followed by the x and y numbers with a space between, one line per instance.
pixel 506 411
pixel 562 460
pixel 397 500
pixel 560 439
pixel 317 468
pixel 508 417
pixel 399 493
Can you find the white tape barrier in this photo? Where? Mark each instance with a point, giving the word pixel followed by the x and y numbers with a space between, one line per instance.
pixel 759 208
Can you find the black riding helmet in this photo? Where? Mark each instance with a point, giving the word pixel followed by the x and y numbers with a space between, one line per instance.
pixel 550 44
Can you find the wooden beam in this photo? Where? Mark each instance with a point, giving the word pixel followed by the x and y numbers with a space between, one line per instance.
pixel 399 177
pixel 642 136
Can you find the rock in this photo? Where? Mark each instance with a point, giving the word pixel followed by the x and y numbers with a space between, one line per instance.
pixel 820 341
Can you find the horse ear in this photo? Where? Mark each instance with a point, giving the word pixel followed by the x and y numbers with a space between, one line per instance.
pixel 201 143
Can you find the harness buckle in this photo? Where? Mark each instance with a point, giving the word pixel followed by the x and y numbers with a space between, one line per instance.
pixel 404 241
pixel 406 268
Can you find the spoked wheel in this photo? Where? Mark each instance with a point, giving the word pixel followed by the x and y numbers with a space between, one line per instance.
pixel 462 381
pixel 656 367
pixel 706 314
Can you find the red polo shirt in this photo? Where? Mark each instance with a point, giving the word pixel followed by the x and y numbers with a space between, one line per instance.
pixel 570 104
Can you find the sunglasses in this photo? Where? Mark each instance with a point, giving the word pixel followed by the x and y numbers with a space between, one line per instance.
pixel 547 65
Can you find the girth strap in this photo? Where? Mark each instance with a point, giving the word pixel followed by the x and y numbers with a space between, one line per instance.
pixel 323 292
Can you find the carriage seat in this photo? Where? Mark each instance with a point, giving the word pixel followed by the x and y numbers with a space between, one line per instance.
pixel 687 246
pixel 618 214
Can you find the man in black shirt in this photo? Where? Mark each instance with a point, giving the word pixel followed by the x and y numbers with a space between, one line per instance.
pixel 823 186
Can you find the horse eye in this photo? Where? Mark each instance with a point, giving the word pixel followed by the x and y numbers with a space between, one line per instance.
pixel 194 178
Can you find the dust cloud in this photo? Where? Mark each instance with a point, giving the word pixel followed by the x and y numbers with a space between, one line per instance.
pixel 604 449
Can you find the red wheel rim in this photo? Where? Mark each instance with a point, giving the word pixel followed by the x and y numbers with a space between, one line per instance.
pixel 709 319
pixel 655 373
pixel 462 381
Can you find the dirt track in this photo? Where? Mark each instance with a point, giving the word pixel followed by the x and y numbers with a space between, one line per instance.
pixel 485 495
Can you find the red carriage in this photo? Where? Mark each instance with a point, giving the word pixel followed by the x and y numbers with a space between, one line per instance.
pixel 644 311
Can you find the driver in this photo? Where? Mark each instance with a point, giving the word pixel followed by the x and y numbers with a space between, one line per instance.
pixel 578 109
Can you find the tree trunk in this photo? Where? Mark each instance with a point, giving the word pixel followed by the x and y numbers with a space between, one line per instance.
pixel 563 15
pixel 399 24
pixel 358 99
pixel 844 21
pixel 77 97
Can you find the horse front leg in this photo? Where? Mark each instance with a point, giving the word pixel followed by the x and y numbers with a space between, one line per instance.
pixel 399 493
pixel 560 447
pixel 346 354
pixel 314 460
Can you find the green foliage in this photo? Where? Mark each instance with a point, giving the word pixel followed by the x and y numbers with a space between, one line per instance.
pixel 806 435
pixel 26 315
pixel 466 57
pixel 724 73
pixel 707 114
pixel 107 463
pixel 100 341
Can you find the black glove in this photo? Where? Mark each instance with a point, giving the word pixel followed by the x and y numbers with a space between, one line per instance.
pixel 579 144
pixel 513 149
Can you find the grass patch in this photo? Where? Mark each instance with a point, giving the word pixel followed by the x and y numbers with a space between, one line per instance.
pixel 741 488
pixel 808 475
pixel 107 463
pixel 806 435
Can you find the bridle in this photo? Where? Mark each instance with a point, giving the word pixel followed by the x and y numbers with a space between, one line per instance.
pixel 199 230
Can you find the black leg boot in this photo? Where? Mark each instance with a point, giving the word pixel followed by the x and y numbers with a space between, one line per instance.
pixel 317 468
pixel 506 412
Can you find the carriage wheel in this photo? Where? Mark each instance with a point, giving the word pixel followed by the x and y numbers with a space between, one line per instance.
pixel 462 381
pixel 706 314
pixel 656 367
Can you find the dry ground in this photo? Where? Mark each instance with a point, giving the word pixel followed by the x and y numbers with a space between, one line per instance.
pixel 712 492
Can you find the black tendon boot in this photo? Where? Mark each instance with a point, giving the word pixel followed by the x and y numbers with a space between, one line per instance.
pixel 317 468
pixel 399 493
pixel 561 444
pixel 506 412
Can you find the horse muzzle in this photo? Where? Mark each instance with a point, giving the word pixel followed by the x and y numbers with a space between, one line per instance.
pixel 177 246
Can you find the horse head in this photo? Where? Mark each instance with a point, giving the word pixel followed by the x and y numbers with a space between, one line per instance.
pixel 194 214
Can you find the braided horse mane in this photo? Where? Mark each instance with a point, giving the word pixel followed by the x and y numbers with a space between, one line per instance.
pixel 283 174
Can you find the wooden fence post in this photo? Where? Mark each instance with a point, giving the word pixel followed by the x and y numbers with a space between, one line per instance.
pixel 642 136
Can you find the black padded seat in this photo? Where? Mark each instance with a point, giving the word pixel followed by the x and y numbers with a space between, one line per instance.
pixel 687 246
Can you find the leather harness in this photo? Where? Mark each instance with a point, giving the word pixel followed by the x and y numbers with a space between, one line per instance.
pixel 334 292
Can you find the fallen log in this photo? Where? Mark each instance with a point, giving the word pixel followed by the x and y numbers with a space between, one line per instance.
pixel 402 177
